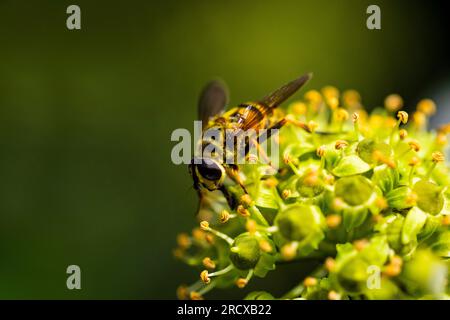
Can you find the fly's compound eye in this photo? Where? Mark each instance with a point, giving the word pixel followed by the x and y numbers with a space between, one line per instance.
pixel 210 170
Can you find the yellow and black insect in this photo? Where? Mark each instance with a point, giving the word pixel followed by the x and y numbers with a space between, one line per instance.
pixel 210 172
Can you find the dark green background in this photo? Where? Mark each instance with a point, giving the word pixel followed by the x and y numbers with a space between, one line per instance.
pixel 86 117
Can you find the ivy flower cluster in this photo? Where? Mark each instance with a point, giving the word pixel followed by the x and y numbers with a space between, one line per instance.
pixel 364 195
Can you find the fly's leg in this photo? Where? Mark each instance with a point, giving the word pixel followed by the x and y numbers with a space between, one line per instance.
pixel 261 152
pixel 232 203
pixel 233 173
pixel 291 120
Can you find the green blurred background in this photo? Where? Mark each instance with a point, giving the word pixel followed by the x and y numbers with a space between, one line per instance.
pixel 86 117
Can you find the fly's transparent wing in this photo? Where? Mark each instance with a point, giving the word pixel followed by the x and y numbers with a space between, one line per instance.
pixel 277 97
pixel 213 100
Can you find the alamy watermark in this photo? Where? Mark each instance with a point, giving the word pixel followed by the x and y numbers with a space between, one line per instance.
pixel 73 21
pixel 74 279
pixel 373 21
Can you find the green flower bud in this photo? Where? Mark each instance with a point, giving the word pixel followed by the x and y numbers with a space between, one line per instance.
pixel 350 166
pixel 245 252
pixel 267 201
pixel 310 185
pixel 430 197
pixel 331 156
pixel 354 217
pixel 394 236
pixel 414 221
pixel 401 198
pixel 424 274
pixel 354 190
pixel 431 225
pixel 353 275
pixel 385 178
pixel 288 189
pixel 388 290
pixel 319 291
pixel 368 147
pixel 354 267
pixel 441 245
pixel 298 222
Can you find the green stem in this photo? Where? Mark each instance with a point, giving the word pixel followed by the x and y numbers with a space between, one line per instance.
pixel 221 235
pixel 223 271
pixel 207 288
pixel 257 216
pixel 430 171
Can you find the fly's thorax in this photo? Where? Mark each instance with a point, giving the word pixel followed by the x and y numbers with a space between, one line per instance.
pixel 233 136
pixel 251 115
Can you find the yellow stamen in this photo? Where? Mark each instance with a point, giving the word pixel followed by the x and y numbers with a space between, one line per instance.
pixel 271 182
pixel 289 251
pixel 338 204
pixel 393 102
pixel 194 295
pixel 198 234
pixel 402 134
pixel 182 292
pixel 341 144
pixel 183 241
pixel 341 115
pixel 381 203
pixel 224 216
pixel 309 282
pixel 299 108
pixel 414 145
pixel 402 117
pixel 208 263
pixel 178 253
pixel 204 225
pixel 396 261
pixel 286 193
pixel 246 200
pixel 414 161
pixel 427 107
pixel 445 129
pixel 209 238
pixel 242 211
pixel 313 96
pixel 330 264
pixel 438 157
pixel 392 270
pixel 360 244
pixel 241 283
pixel 351 98
pixel 441 139
pixel 333 220
pixel 265 246
pixel 204 277
pixel 251 226
pixel 445 220
pixel 321 151
pixel 419 119
pixel 312 125
pixel 333 295
pixel 329 179
pixel 330 92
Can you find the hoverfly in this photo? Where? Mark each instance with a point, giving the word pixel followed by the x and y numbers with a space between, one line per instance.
pixel 210 172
